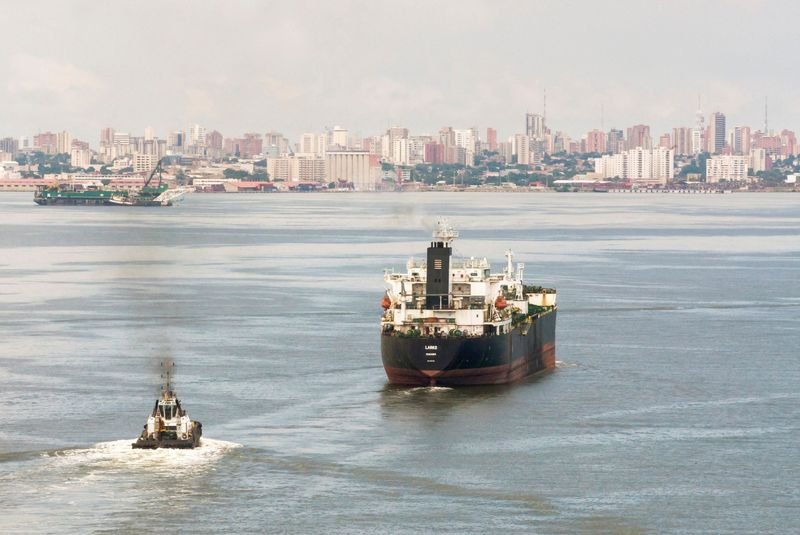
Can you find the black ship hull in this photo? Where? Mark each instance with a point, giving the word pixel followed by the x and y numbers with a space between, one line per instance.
pixel 493 359
pixel 71 202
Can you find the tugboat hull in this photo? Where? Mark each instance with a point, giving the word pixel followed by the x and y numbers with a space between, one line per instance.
pixel 493 359
pixel 168 440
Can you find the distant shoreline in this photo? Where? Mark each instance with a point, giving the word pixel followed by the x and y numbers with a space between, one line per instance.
pixel 642 191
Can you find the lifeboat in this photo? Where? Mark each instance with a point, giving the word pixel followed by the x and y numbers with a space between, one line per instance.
pixel 500 303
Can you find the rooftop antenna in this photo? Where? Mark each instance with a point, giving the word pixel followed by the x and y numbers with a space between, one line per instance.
pixel 544 110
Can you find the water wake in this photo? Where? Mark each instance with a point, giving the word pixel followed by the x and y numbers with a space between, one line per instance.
pixel 118 455
pixel 427 389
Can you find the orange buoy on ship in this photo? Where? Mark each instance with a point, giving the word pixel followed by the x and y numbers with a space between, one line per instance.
pixel 500 303
pixel 386 302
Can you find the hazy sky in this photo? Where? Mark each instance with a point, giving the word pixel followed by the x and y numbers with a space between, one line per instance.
pixel 293 66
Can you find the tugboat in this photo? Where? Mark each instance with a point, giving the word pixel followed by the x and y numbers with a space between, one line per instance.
pixel 454 323
pixel 168 426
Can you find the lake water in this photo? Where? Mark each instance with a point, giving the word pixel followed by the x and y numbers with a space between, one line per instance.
pixel 675 406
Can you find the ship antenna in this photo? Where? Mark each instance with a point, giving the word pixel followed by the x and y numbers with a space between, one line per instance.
pixel 166 376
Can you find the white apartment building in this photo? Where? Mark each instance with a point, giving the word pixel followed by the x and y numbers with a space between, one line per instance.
pixel 197 135
pixel 640 166
pixel 758 160
pixel 81 158
pixel 339 137
pixel 730 168
pixel 522 149
pixel 466 139
pixel 297 168
pixel 312 144
pixel 144 163
pixel 697 141
pixel 400 154
pixel 64 142
pixel 506 150
pixel 392 145
pixel 279 169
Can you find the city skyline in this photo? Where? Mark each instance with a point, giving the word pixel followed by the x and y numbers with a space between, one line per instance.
pixel 304 66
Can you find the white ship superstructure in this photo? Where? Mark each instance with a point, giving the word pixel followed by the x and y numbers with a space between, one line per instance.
pixel 476 302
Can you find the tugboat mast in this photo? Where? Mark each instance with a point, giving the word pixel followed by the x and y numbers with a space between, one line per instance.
pixel 166 374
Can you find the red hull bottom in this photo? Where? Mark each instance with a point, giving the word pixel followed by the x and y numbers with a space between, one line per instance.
pixel 491 375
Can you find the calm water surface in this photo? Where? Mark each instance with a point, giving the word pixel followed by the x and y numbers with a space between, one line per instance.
pixel 674 407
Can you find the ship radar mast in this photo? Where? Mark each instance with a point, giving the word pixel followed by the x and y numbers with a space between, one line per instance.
pixel 444 231
pixel 510 264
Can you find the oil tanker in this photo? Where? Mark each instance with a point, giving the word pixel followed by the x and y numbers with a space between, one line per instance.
pixel 448 322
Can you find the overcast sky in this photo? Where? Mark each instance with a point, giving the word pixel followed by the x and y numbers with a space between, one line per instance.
pixel 295 66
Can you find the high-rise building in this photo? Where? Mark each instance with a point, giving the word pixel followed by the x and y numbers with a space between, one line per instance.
pixel 399 151
pixel 214 140
pixel 9 145
pixel 663 165
pixel 491 139
pixel 665 141
pixel 297 167
pixel 309 144
pixel 121 144
pixel 339 137
pixel 596 141
pixel 741 140
pixel 639 136
pixel 698 143
pixel 534 125
pixel 144 163
pixel 561 142
pixel 716 133
pixel 64 142
pixel 47 142
pixel 106 137
pixel 448 140
pixel 245 147
pixel 434 152
pixel 759 160
pixel 788 143
pixel 506 150
pixel 416 149
pixel 197 135
pixel 522 149
pixel 615 141
pixel 81 158
pixel 466 139
pixel 682 140
pixel 176 140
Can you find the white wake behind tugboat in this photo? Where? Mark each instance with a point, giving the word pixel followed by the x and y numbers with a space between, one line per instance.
pixel 168 426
